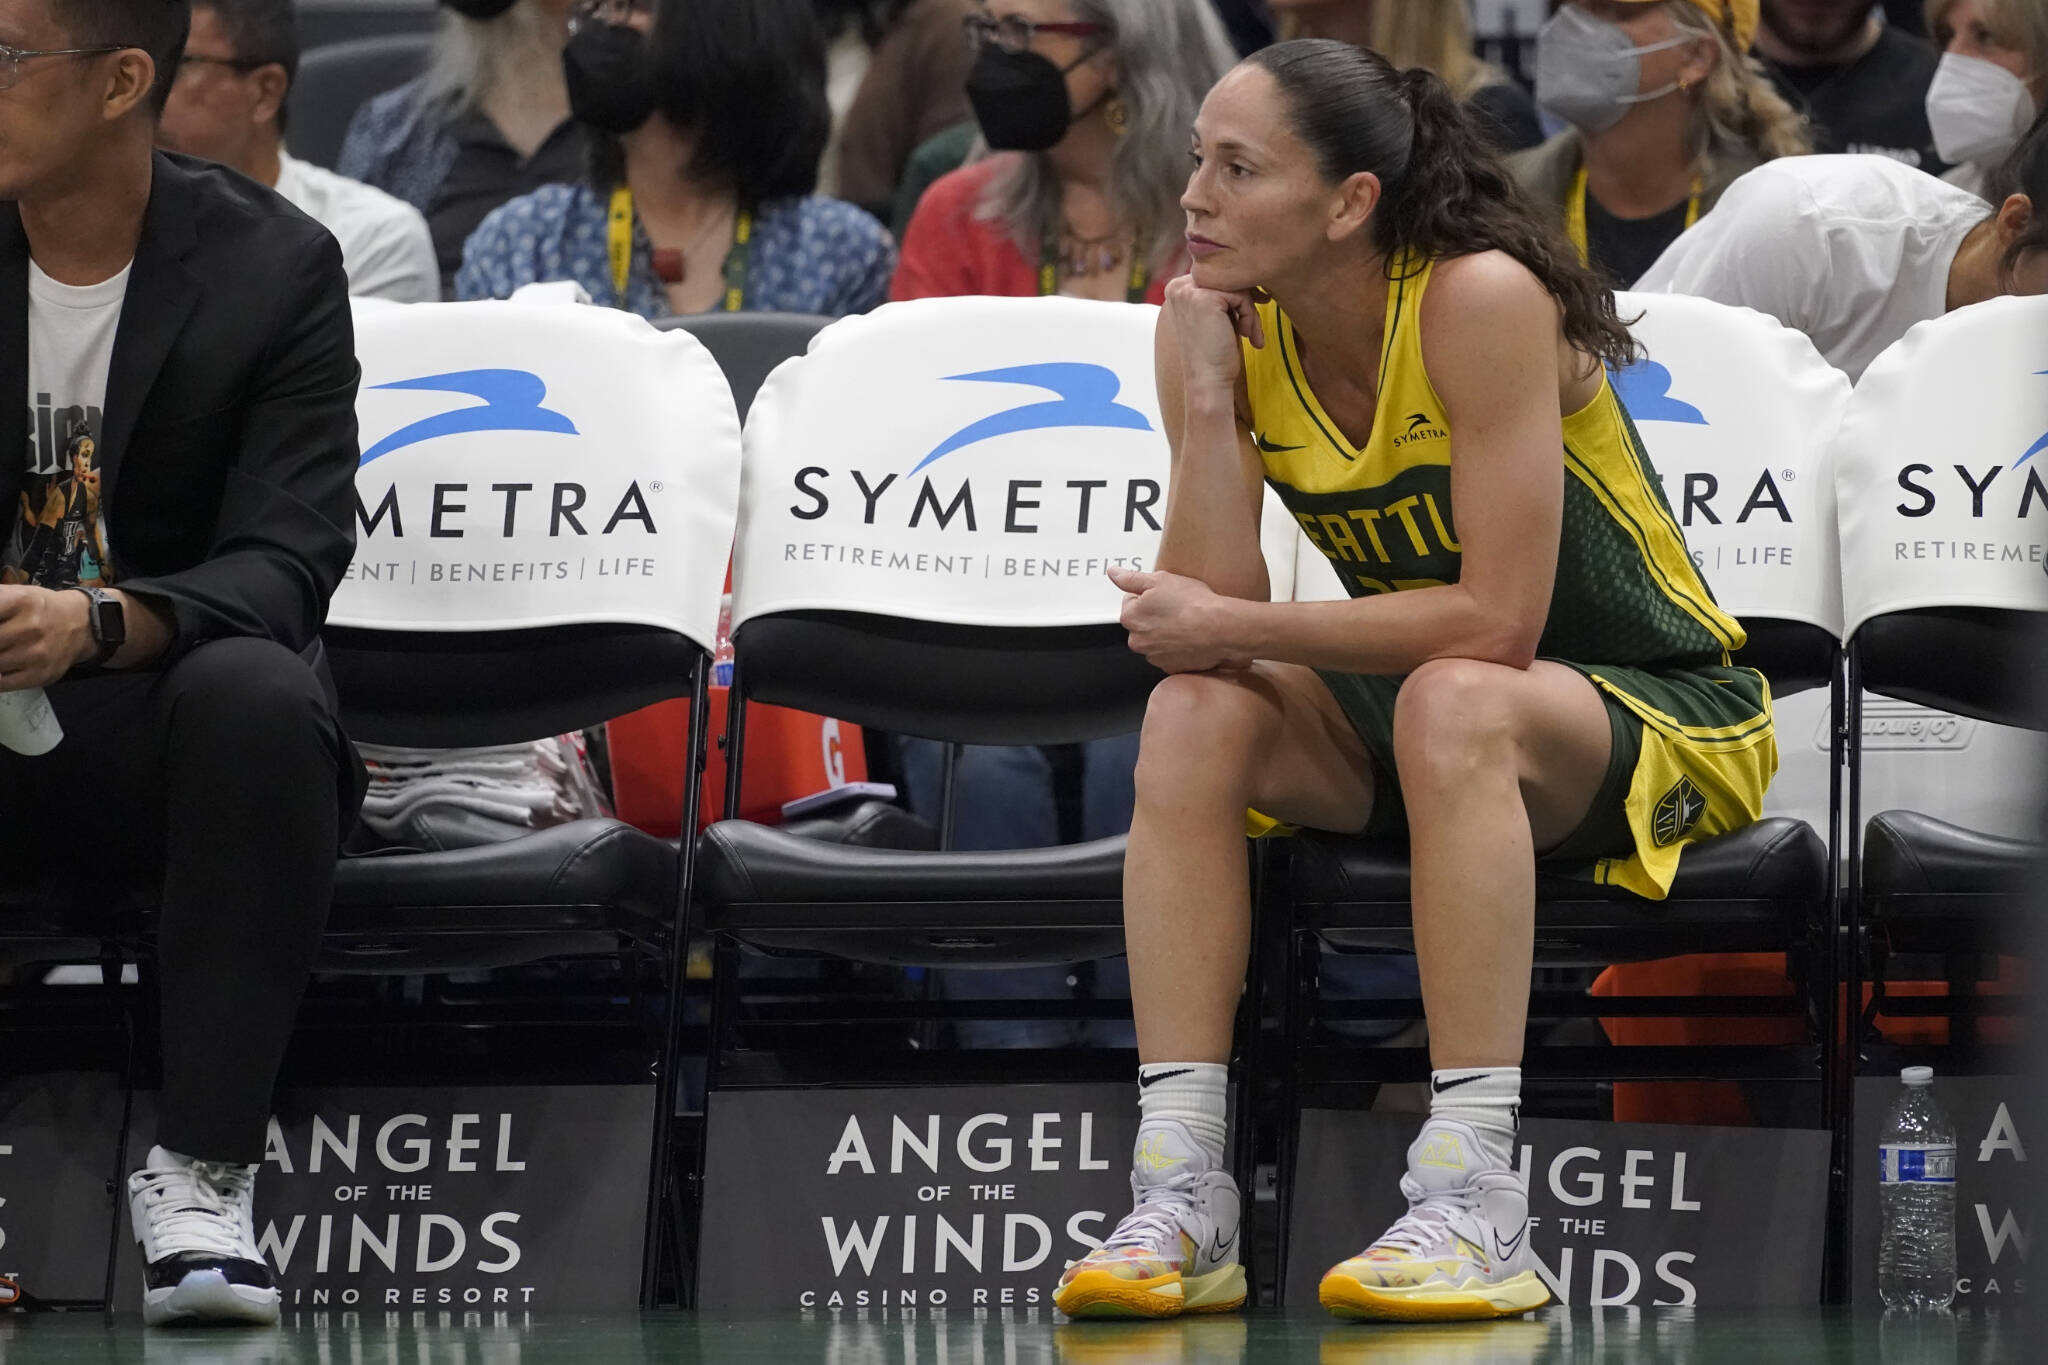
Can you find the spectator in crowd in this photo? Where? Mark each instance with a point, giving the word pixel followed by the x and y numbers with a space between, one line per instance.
pixel 227 105
pixel 1861 82
pixel 706 121
pixel 915 87
pixel 1086 105
pixel 489 121
pixel 1992 81
pixel 185 331
pixel 1435 35
pixel 1666 111
pixel 1378 322
pixel 1853 250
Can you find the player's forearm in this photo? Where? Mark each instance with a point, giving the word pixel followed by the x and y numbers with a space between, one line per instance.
pixel 1391 635
pixel 1212 517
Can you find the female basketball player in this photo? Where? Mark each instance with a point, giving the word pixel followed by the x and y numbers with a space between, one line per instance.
pixel 1530 668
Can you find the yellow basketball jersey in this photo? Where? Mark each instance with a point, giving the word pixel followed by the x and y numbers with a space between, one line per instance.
pixel 1627 591
pixel 1629 609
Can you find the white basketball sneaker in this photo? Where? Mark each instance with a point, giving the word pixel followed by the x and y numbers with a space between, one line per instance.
pixel 195 1221
pixel 1176 1252
pixel 1460 1252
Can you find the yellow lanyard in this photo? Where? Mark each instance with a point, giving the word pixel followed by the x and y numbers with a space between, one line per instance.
pixel 619 247
pixel 1575 213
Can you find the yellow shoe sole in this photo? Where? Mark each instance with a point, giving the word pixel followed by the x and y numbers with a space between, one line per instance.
pixel 1100 1294
pixel 1473 1300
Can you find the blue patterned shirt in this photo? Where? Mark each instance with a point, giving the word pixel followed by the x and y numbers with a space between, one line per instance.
pixel 812 255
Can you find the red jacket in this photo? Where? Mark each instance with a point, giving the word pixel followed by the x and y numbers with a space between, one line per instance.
pixel 948 251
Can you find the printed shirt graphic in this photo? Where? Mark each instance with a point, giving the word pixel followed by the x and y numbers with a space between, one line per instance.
pixel 58 535
pixel 1627 590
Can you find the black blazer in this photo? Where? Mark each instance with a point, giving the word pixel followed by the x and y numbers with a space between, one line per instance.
pixel 228 457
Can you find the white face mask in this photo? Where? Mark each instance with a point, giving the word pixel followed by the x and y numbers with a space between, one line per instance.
pixel 1977 109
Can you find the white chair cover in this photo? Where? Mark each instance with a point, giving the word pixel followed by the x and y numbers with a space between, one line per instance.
pixel 1942 467
pixel 1738 412
pixel 973 461
pixel 529 465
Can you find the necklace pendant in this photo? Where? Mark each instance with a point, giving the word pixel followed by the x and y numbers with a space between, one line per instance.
pixel 669 265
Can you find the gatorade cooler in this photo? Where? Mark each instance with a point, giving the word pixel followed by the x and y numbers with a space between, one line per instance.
pixel 789 754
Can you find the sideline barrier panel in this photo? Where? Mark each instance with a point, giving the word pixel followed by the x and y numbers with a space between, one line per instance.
pixel 963 1199
pixel 445 1199
pixel 1623 1215
pixel 59 1138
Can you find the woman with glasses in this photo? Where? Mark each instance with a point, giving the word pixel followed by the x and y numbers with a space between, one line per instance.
pixel 707 119
pixel 1084 107
pixel 487 121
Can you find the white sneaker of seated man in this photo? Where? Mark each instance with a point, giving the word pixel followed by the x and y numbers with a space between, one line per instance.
pixel 195 1222
pixel 1176 1252
pixel 1461 1251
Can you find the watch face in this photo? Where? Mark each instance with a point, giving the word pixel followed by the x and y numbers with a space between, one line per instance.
pixel 109 624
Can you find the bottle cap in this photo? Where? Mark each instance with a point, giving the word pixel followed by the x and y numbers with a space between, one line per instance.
pixel 1917 1075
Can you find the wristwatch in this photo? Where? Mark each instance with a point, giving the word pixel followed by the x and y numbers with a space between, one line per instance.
pixel 109 623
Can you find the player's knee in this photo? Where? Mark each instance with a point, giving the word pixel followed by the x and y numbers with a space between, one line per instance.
pixel 1198 723
pixel 1452 716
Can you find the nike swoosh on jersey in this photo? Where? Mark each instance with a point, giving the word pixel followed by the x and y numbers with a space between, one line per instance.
pixel 1266 447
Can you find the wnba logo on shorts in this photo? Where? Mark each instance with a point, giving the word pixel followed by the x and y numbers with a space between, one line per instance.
pixel 1678 813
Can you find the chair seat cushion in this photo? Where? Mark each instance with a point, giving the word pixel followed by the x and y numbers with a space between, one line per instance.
pixel 1905 852
pixel 1754 886
pixel 778 891
pixel 570 888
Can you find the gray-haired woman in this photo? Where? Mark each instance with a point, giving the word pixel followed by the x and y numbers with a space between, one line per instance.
pixel 488 122
pixel 1084 107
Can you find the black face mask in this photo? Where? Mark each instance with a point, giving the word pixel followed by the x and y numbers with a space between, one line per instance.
pixel 610 78
pixel 479 9
pixel 1020 100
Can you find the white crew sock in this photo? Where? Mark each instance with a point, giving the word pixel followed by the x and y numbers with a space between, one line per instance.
pixel 1489 1098
pixel 1193 1093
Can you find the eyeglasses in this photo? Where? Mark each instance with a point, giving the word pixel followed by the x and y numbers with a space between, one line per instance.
pixel 608 12
pixel 13 60
pixel 1014 33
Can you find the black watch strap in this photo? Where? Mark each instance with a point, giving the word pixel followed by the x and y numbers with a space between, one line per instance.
pixel 108 621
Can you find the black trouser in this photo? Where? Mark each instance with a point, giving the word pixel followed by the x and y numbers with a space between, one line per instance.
pixel 227 775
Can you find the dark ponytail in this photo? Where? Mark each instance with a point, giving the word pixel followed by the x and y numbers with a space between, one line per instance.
pixel 1444 190
pixel 2024 171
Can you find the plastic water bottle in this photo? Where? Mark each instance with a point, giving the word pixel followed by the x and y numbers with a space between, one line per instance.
pixel 27 724
pixel 1916 1157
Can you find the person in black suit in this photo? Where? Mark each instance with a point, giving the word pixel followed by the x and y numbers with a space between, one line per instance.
pixel 173 519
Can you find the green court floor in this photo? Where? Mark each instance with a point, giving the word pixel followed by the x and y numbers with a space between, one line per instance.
pixel 1663 1336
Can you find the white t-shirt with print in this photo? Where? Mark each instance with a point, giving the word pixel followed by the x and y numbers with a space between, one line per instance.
pixel 58 532
pixel 1851 250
